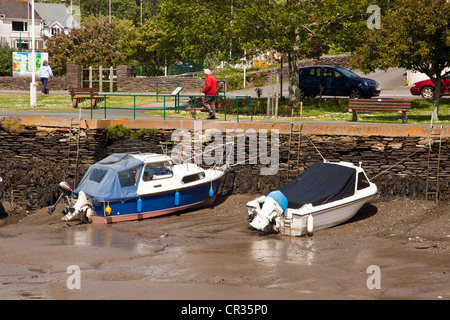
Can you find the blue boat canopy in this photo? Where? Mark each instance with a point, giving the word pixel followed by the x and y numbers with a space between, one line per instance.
pixel 319 184
pixel 112 179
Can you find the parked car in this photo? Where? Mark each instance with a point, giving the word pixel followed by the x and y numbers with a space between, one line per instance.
pixel 425 88
pixel 335 81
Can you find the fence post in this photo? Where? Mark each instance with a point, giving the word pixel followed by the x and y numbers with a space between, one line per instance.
pixel 90 76
pixel 100 79
pixel 111 80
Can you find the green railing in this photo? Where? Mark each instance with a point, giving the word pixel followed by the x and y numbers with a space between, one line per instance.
pixel 166 97
pixel 237 107
pixel 163 83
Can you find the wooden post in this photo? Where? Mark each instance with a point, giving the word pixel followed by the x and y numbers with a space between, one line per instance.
pixel 100 79
pixel 111 78
pixel 90 77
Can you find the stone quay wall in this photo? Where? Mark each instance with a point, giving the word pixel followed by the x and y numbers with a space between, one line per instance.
pixel 37 153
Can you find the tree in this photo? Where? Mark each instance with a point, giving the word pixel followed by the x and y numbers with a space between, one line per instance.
pixel 412 36
pixel 6 60
pixel 139 45
pixel 192 29
pixel 301 28
pixel 95 44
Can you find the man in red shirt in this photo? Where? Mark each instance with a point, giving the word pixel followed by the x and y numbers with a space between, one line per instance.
pixel 209 100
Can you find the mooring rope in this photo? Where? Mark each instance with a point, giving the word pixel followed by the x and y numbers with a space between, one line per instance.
pixel 325 160
pixel 397 163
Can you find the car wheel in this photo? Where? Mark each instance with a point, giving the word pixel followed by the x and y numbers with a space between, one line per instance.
pixel 427 92
pixel 355 93
pixel 302 93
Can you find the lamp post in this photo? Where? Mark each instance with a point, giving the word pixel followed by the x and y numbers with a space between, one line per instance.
pixel 33 61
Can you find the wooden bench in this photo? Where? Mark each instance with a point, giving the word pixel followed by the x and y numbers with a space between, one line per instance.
pixel 81 94
pixel 384 105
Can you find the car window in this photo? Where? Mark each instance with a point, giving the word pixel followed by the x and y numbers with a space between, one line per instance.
pixel 309 72
pixel 331 73
pixel 328 73
pixel 348 73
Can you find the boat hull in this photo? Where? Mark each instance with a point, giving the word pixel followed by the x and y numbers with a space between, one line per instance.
pixel 322 217
pixel 154 205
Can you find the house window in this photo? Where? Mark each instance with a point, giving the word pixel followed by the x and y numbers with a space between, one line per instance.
pixel 19 26
pixel 55 31
pixel 21 44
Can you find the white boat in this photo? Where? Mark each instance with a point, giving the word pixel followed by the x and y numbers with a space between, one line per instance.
pixel 136 186
pixel 323 196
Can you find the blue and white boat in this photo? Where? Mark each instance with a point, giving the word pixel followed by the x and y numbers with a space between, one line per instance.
pixel 125 187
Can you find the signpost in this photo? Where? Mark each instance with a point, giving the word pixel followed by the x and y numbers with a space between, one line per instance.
pixel 33 61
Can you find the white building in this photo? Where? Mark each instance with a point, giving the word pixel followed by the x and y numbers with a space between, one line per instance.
pixel 56 18
pixel 15 25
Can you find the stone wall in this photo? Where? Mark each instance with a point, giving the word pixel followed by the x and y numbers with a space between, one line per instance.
pixel 34 159
pixel 127 83
pixel 340 60
pixel 23 83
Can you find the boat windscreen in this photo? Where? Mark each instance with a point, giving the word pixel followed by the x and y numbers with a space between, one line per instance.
pixel 319 184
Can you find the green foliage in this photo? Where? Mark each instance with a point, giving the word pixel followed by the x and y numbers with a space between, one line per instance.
pixel 139 46
pixel 143 132
pixel 95 44
pixel 412 36
pixel 117 131
pixel 5 60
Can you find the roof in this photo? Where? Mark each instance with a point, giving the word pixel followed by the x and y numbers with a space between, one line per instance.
pixel 16 9
pixel 53 13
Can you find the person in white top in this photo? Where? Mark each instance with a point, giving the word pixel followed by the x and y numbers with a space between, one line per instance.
pixel 45 72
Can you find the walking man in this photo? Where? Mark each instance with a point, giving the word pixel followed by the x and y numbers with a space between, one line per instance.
pixel 209 100
pixel 45 72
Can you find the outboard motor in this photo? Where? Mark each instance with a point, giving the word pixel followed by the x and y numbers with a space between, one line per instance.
pixel 66 190
pixel 273 205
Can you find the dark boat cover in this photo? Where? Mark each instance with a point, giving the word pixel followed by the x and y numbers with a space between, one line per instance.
pixel 111 179
pixel 319 184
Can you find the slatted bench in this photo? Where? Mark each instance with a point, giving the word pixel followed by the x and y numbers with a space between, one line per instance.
pixel 81 94
pixel 384 105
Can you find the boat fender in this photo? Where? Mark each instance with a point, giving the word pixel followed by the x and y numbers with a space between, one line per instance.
pixel 108 210
pixel 310 223
pixel 139 205
pixel 211 192
pixel 177 198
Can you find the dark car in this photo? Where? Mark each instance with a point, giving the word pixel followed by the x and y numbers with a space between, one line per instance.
pixel 425 88
pixel 335 81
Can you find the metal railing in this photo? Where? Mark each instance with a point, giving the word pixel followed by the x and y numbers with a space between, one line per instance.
pixel 167 98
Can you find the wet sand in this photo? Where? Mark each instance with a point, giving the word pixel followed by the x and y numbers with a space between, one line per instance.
pixel 212 253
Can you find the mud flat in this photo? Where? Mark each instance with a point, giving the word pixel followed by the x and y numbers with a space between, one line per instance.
pixel 212 253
